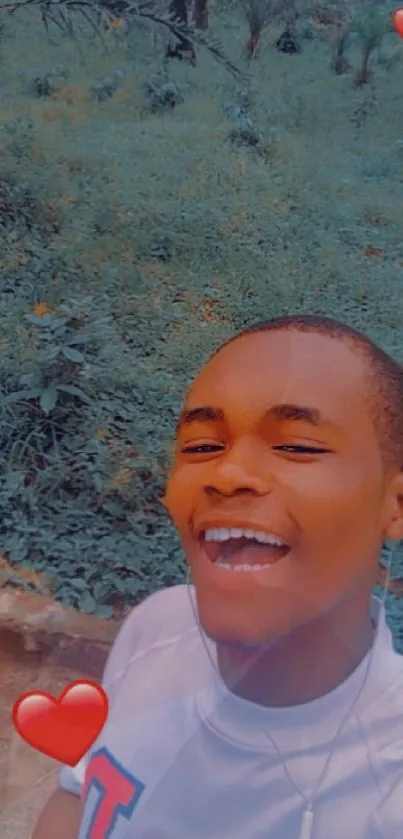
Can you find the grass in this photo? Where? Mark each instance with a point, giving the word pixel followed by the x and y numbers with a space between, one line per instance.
pixel 209 232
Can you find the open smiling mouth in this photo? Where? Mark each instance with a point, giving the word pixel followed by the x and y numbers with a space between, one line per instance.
pixel 242 551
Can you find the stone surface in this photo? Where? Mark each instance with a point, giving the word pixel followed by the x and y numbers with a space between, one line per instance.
pixel 27 778
pixel 43 646
pixel 60 635
pixel 34 613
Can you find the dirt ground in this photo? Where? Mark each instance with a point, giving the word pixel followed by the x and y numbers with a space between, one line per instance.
pixel 26 777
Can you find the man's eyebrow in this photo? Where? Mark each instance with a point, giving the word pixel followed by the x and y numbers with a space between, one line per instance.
pixel 301 413
pixel 278 413
pixel 204 414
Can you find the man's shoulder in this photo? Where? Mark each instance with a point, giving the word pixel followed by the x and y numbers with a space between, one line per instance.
pixel 146 644
pixel 160 619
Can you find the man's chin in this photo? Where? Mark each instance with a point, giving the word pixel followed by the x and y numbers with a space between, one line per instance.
pixel 240 640
pixel 224 624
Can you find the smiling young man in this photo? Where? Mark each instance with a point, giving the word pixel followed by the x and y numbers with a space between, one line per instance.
pixel 265 700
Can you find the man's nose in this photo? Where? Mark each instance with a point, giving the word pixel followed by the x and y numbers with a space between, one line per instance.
pixel 231 478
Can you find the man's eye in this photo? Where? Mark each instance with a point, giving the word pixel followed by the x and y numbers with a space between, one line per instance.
pixel 202 449
pixel 303 449
pixel 208 449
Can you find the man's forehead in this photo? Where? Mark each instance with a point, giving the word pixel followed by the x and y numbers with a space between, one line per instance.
pixel 294 360
pixel 292 346
pixel 266 373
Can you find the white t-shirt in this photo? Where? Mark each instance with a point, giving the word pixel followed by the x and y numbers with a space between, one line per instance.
pixel 181 757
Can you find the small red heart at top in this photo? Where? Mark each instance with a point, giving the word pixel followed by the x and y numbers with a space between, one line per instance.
pixel 397 18
pixel 63 728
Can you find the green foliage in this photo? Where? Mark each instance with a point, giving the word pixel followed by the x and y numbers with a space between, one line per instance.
pixel 48 83
pixel 247 133
pixel 105 89
pixel 21 211
pixel 74 540
pixel 163 96
pixel 70 497
pixel 52 372
pixel 71 18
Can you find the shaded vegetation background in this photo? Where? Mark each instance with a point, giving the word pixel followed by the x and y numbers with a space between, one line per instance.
pixel 141 225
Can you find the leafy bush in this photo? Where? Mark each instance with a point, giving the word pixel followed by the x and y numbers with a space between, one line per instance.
pixel 105 89
pixel 49 83
pixel 50 380
pixel 246 131
pixel 162 96
pixel 70 498
pixel 22 211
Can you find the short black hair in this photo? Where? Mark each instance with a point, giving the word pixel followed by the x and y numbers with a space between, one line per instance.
pixel 384 378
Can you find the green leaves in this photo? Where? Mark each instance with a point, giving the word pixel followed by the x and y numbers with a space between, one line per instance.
pixel 50 354
pixel 31 379
pixel 87 603
pixel 48 396
pixel 104 611
pixel 48 399
pixel 22 395
pixel 73 391
pixel 72 355
pixel 51 374
pixel 42 321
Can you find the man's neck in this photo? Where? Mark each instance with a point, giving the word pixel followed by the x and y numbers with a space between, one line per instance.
pixel 299 668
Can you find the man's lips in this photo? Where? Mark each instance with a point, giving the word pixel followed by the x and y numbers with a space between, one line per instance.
pixel 241 545
pixel 200 529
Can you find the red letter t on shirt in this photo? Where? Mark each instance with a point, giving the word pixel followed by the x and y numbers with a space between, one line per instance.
pixel 118 793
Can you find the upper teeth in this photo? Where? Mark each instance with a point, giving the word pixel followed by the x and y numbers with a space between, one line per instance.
pixel 222 534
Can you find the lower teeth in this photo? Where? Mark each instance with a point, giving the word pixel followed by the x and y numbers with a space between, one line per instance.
pixel 241 567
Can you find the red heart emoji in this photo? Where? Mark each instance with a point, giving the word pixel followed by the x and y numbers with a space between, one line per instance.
pixel 63 728
pixel 397 18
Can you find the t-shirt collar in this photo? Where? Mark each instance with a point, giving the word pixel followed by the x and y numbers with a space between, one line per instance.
pixel 241 720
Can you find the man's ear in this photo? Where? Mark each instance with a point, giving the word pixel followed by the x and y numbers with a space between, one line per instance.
pixel 394 525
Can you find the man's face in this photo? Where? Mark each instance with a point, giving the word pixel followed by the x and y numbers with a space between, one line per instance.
pixel 246 470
